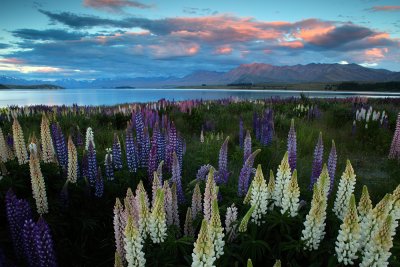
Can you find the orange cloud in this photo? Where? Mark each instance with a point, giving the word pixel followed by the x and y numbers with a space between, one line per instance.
pixel 375 53
pixel 223 50
pixel 174 50
pixel 293 44
pixel 385 8
pixel 114 5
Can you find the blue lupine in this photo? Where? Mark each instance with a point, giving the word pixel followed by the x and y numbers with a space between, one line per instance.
pixel 145 148
pixel 79 138
pixel 140 138
pixel 292 147
pixel 223 172
pixel 108 162
pixel 317 162
pixel 117 153
pixel 245 172
pixel 99 185
pixel 177 179
pixel 332 160
pixel 92 164
pixel 179 151
pixel 130 151
pixel 171 146
pixel 247 146
pixel 60 145
pixel 17 210
pixel 241 132
pixel 203 171
pixel 28 242
pixel 43 244
pixel 152 165
pixel 160 140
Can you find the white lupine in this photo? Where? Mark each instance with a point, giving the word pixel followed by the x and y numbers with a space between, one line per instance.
pixel 89 138
pixel 314 230
pixel 38 185
pixel 216 231
pixel 48 153
pixel 364 206
pixel 259 196
pixel 345 189
pixel 174 203
pixel 168 203
pixel 119 225
pixel 230 222
pixel 209 194
pixel 157 223
pixel 271 190
pixel 203 251
pixel 3 148
pixel 197 206
pixel 156 184
pixel 144 216
pixel 133 245
pixel 19 143
pixel 347 243
pixel 377 249
pixel 290 201
pixel 72 173
pixel 201 137
pixel 282 180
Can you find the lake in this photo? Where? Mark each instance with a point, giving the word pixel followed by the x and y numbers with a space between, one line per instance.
pixel 23 97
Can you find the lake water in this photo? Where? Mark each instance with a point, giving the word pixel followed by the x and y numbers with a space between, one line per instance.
pixel 23 97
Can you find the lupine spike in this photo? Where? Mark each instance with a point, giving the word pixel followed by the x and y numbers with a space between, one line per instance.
pixel 317 162
pixel 346 188
pixel 292 146
pixel 119 226
pixel 209 195
pixel 92 170
pixel 19 143
pixel 72 174
pixel 116 153
pixel 259 197
pixel 131 156
pixel 244 176
pixel 157 222
pixel 394 152
pixel 133 245
pixel 47 142
pixel 223 172
pixel 290 201
pixel 332 160
pixel 203 251
pixel 38 185
pixel 188 227
pixel 245 220
pixel 247 146
pixel 197 205
pixel 282 179
pixel 177 179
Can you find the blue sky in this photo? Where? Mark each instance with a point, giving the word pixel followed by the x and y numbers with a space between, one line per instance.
pixel 87 39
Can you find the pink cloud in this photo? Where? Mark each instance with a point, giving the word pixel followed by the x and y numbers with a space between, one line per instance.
pixel 11 61
pixel 385 8
pixel 223 50
pixel 114 5
pixel 293 44
pixel 169 50
pixel 375 53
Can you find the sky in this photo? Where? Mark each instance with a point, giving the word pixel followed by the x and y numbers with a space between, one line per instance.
pixel 89 39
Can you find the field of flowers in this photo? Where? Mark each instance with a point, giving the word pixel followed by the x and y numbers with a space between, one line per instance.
pixel 294 182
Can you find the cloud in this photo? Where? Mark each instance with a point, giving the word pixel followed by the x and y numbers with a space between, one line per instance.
pixel 223 50
pixel 199 11
pixel 114 5
pixel 4 46
pixel 17 65
pixel 49 34
pixel 384 8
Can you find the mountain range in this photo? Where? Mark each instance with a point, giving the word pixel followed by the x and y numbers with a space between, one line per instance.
pixel 245 73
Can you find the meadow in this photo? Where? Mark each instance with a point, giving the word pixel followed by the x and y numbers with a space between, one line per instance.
pixel 241 183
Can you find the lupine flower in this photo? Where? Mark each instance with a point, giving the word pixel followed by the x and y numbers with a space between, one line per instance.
pixel 99 184
pixel 374 220
pixel 364 206
pixel 282 179
pixel 19 143
pixel 18 211
pixel 60 146
pixel 176 178
pixel 108 162
pixel 4 157
pixel 197 206
pixel 131 157
pixel 144 215
pixel 72 162
pixel 171 146
pixel 89 138
pixel 203 251
pixel 314 230
pixel 290 201
pixel 201 136
pixel 92 165
pixel 133 245
pixel 377 249
pixel 345 189
pixel 118 260
pixel 154 188
pixel 79 137
pixel 119 227
pixel 160 146
pixel 216 230
pixel 47 142
pixel 152 164
pixel 159 171
pixel 28 242
pixel 210 193
pixel 203 171
pixel 245 220
pixel 230 222
pixel 157 222
pixel 188 226
pixel 292 146
pixel 168 204
pixel 317 162
pixel 116 153
pixel 259 196
pixel 271 190
pixel 174 203
pixel 223 172
pixel 131 204
pixel 349 234
pixel 245 173
pixel 241 132
pixel 38 185
pixel 395 146
pixel 145 148
pixel 140 138
pixel 277 263
pixel 247 146
pixel 332 160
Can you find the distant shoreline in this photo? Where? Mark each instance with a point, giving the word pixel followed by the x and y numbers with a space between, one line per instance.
pixel 35 86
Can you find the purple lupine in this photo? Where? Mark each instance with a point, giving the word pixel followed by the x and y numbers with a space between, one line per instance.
pixel 130 151
pixel 79 138
pixel 247 146
pixel 84 165
pixel 139 125
pixel 179 151
pixel 241 132
pixel 177 179
pixel 395 146
pixel 99 185
pixel 152 165
pixel 28 242
pixel 117 153
pixel 223 172
pixel 160 146
pixel 203 171
pixel 17 210
pixel 60 145
pixel 332 160
pixel 317 162
pixel 245 172
pixel 145 148
pixel 292 146
pixel 43 244
pixel 92 164
pixel 171 146
pixel 108 162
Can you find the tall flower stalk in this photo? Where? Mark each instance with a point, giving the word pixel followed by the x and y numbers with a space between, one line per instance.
pixel 317 162
pixel 346 188
pixel 48 152
pixel 259 196
pixel 133 245
pixel 38 185
pixel 290 201
pixel 72 174
pixel 332 160
pixel 292 146
pixel 283 176
pixel 19 143
pixel 203 253
pixel 245 172
pixel 394 152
